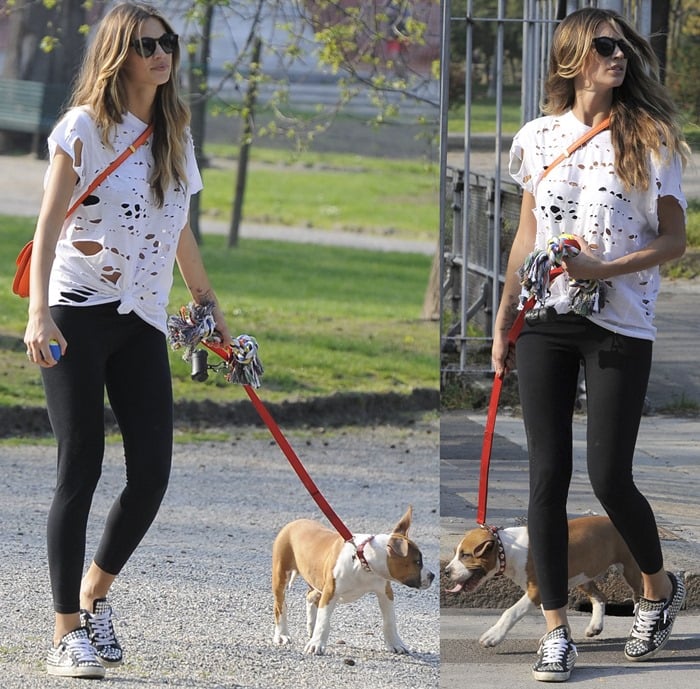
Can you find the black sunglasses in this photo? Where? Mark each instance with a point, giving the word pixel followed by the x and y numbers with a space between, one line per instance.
pixel 146 46
pixel 605 46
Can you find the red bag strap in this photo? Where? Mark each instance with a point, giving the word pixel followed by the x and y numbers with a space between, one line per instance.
pixel 577 144
pixel 111 168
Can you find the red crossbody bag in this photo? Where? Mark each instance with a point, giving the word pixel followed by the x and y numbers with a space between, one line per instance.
pixel 20 284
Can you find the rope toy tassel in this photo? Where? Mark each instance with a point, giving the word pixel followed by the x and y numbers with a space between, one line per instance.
pixel 584 295
pixel 246 367
pixel 195 325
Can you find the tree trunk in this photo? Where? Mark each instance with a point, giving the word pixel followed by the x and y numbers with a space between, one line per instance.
pixel 199 85
pixel 246 137
pixel 431 300
pixel 660 10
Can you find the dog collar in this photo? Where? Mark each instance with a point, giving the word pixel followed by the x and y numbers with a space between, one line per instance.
pixel 360 553
pixel 500 550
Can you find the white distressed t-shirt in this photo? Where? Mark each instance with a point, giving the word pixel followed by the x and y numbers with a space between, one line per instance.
pixel 132 242
pixel 583 196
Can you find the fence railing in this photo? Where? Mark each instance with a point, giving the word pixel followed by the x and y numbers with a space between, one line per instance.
pixel 480 212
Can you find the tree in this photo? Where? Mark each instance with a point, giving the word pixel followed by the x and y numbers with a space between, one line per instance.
pixel 374 48
pixel 45 43
pixel 683 66
pixel 349 38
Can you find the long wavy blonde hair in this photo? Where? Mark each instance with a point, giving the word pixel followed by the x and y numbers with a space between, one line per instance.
pixel 100 84
pixel 643 117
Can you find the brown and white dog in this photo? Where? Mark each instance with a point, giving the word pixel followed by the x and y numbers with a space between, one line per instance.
pixel 594 546
pixel 341 572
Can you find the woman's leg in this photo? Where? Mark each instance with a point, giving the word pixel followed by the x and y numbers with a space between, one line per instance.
pixel 548 367
pixel 75 402
pixel 617 373
pixel 140 393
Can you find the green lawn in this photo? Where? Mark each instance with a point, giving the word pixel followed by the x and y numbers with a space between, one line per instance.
pixel 328 191
pixel 327 320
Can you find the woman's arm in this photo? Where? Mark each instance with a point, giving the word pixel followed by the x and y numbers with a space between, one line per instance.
pixel 669 244
pixel 41 328
pixel 502 353
pixel 189 261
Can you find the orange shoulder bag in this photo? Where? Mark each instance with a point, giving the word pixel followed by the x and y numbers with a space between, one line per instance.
pixel 20 284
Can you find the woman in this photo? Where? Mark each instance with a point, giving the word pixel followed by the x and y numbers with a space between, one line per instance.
pixel 99 288
pixel 620 196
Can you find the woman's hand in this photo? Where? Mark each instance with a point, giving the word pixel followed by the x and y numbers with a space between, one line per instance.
pixel 39 334
pixel 585 265
pixel 221 326
pixel 502 354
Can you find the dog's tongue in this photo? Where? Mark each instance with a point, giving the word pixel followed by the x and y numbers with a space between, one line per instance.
pixel 456 589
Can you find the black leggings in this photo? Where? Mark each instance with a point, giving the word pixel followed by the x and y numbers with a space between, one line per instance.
pixel 549 356
pixel 128 358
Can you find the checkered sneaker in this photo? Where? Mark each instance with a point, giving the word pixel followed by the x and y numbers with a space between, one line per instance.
pixel 75 657
pixel 653 621
pixel 555 657
pixel 101 632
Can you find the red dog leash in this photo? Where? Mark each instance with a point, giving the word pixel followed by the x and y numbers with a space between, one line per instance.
pixel 226 353
pixel 493 410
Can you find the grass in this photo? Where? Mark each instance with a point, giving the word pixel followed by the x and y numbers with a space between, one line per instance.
pixel 327 320
pixel 483 115
pixel 328 191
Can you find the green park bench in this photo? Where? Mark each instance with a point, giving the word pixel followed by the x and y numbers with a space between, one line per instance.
pixel 31 107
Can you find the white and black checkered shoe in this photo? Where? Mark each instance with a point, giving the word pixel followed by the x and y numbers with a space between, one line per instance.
pixel 101 633
pixel 75 656
pixel 653 621
pixel 555 657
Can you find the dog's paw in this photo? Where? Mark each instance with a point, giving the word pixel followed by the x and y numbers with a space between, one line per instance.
pixel 315 648
pixel 398 647
pixel 593 629
pixel 491 637
pixel 282 639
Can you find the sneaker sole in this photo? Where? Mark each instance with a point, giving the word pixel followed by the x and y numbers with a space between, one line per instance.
pixel 551 676
pixel 110 663
pixel 91 672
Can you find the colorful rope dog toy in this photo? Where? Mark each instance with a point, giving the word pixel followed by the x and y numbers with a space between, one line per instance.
pixel 195 325
pixel 535 278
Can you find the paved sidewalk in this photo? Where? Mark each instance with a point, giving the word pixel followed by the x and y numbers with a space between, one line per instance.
pixel 600 662
pixel 21 192
pixel 666 471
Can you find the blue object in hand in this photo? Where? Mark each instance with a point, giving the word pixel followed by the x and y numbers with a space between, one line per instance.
pixel 55 350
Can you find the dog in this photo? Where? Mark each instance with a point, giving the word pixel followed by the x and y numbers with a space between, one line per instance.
pixel 341 572
pixel 594 545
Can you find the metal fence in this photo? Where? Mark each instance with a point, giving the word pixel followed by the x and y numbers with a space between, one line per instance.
pixel 479 212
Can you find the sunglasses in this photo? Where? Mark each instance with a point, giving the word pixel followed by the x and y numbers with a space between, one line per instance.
pixel 146 46
pixel 606 46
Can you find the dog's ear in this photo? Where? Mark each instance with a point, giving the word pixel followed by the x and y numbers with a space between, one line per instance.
pixel 483 548
pixel 398 546
pixel 404 523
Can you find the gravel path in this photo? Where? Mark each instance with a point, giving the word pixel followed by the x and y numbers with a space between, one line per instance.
pixel 194 604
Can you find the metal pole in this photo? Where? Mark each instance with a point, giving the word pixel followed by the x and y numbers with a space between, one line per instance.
pixel 464 285
pixel 496 236
pixel 444 108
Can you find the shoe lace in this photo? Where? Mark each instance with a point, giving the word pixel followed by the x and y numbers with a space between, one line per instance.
pixel 555 650
pixel 81 649
pixel 102 629
pixel 644 623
